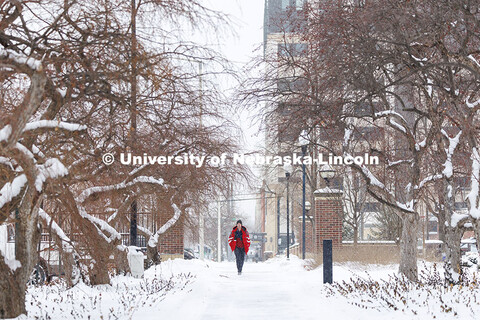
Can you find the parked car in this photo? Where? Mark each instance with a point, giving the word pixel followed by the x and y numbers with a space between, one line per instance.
pixel 470 256
pixel 468 245
pixel 188 254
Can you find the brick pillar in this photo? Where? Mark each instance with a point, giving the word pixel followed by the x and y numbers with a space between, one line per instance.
pixel 170 244
pixel 328 216
pixel 309 233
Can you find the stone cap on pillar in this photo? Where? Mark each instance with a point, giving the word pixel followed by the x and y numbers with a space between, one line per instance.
pixel 328 193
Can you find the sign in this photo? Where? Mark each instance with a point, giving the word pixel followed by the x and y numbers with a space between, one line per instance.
pixel 258 236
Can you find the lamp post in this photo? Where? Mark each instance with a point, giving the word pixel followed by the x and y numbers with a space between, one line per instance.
pixel 327 173
pixel 288 170
pixel 308 206
pixel 303 141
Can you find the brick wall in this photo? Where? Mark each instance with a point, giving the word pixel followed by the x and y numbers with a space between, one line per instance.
pixel 328 218
pixel 171 242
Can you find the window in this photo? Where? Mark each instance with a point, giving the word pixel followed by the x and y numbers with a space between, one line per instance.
pixel 292 49
pixel 291 84
pixel 285 4
pixel 300 4
pixel 371 207
pixel 462 183
pixel 460 205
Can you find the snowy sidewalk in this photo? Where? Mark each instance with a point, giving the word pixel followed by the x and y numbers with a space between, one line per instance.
pixel 277 289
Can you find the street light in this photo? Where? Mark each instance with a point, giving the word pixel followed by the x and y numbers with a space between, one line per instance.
pixel 308 206
pixel 288 170
pixel 303 142
pixel 327 173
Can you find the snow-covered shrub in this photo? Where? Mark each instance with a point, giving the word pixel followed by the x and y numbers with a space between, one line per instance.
pixel 429 296
pixel 471 259
pixel 121 300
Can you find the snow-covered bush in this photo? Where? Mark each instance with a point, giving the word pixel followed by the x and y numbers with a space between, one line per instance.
pixel 471 259
pixel 429 296
pixel 121 300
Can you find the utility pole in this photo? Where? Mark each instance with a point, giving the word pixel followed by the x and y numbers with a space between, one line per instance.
pixel 278 224
pixel 133 112
pixel 304 150
pixel 219 234
pixel 288 216
pixel 201 228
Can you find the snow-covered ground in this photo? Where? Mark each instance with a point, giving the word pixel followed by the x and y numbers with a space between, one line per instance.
pixel 277 289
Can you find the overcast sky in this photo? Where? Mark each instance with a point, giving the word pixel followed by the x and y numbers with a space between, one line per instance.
pixel 240 48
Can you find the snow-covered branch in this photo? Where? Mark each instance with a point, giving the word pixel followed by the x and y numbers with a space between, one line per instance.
pixel 453 142
pixel 428 179
pixel 5 133
pixel 34 64
pixel 472 105
pixel 373 181
pixel 43 124
pixel 52 168
pixel 152 242
pixel 100 225
pixel 122 185
pixel 473 194
pixel 12 189
pixel 66 242
pixel 12 264
pixel 395 163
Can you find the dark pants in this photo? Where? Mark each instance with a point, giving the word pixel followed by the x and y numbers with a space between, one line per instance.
pixel 240 257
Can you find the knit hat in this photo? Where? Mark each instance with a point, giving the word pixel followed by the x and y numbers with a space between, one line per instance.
pixel 239 221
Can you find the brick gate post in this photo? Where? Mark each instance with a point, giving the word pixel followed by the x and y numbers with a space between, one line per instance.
pixel 328 217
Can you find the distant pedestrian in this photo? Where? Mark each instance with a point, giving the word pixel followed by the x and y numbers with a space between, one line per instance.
pixel 239 242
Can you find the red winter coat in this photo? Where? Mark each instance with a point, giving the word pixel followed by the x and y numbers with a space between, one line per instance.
pixel 245 236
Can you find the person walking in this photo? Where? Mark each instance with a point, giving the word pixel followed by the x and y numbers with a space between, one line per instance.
pixel 239 242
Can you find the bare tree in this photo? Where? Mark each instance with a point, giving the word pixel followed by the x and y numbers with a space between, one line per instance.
pixel 66 72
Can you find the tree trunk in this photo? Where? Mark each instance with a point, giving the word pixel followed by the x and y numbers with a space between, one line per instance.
pixel 70 268
pixel 355 235
pixel 153 257
pixel 121 262
pixel 408 247
pixel 14 284
pixel 476 225
pixel 98 269
pixel 441 226
pixel 453 237
pixel 453 270
pixel 12 293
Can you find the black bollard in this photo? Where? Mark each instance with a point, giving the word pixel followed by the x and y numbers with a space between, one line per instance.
pixel 327 261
